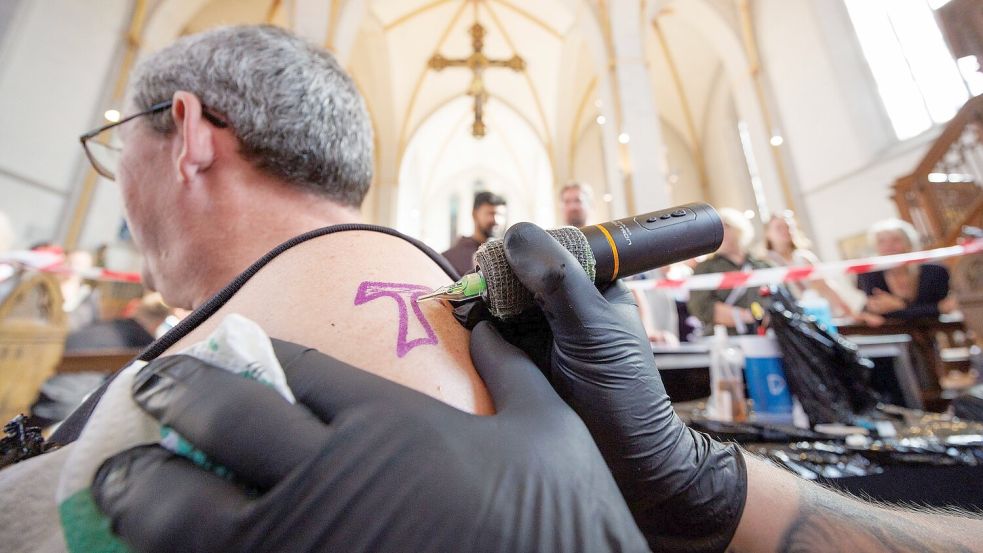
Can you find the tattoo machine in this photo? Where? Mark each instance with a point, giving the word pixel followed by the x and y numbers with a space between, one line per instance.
pixel 607 251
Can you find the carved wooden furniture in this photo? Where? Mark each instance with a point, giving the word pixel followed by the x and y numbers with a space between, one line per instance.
pixel 928 338
pixel 944 195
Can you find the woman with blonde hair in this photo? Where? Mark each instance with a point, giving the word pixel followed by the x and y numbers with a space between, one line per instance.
pixel 730 308
pixel 787 247
pixel 906 292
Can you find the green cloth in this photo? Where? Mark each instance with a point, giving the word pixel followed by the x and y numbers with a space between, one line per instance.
pixel 86 528
pixel 701 302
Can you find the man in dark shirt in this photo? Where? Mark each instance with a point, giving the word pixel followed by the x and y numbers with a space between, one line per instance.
pixel 488 214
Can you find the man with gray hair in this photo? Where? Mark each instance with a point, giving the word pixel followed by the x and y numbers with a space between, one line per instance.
pixel 274 119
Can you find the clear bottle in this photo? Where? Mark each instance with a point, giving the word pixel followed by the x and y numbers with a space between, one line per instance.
pixel 734 382
pixel 727 402
pixel 719 406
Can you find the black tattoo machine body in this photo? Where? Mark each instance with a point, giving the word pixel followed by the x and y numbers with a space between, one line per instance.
pixel 607 251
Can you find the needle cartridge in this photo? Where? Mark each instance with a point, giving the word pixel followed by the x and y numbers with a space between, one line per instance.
pixel 471 286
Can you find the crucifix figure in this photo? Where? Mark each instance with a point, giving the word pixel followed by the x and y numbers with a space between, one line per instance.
pixel 477 62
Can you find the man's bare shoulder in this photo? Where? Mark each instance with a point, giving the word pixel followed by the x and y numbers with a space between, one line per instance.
pixel 352 295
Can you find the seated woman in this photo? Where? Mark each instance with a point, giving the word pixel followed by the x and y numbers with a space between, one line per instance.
pixel 906 292
pixel 730 308
pixel 785 246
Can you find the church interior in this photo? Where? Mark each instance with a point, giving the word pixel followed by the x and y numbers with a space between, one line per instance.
pixel 829 116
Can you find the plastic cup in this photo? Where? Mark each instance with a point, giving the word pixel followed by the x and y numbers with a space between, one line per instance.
pixel 764 373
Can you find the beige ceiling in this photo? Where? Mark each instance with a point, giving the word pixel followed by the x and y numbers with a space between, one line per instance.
pixel 235 12
pixel 415 30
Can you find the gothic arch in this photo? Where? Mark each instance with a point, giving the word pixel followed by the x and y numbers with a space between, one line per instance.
pixel 729 46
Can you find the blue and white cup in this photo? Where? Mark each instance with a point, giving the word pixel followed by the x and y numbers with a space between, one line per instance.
pixel 764 373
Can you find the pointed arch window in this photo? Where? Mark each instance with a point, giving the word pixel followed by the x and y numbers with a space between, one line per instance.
pixel 918 81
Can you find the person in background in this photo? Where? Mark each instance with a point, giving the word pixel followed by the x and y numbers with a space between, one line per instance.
pixel 786 247
pixel 657 309
pixel 136 331
pixel 6 233
pixel 488 214
pixel 7 239
pixel 81 298
pixel 689 327
pixel 906 292
pixel 730 308
pixel 576 204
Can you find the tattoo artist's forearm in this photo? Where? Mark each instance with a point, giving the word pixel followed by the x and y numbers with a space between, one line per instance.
pixel 830 522
pixel 786 513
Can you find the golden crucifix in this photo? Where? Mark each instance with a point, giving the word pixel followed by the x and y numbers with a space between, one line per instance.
pixel 477 62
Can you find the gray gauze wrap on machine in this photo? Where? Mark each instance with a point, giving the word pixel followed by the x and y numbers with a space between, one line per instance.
pixel 506 295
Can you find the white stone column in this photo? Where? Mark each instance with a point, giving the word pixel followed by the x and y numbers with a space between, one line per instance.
pixel 311 19
pixel 639 114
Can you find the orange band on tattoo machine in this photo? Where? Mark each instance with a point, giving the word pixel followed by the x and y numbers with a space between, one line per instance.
pixel 614 250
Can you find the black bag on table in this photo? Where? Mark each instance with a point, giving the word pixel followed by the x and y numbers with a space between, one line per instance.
pixel 823 370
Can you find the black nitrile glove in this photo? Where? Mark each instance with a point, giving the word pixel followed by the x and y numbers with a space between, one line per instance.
pixel 685 490
pixel 364 465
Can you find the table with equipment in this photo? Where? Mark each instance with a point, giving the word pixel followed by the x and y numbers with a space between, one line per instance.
pixel 893 471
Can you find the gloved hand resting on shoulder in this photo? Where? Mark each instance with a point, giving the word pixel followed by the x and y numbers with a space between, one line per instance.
pixel 363 464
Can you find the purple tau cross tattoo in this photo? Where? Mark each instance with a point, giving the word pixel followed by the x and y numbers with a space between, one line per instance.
pixel 402 293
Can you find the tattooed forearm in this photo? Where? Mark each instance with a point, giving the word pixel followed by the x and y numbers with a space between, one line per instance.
pixel 828 521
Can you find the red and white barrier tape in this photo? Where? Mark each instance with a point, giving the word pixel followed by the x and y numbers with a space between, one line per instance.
pixel 776 275
pixel 54 263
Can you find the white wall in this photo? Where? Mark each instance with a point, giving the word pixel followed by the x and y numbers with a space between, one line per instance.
pixel 848 204
pixel 370 67
pixel 683 179
pixel 588 166
pixel 727 173
pixel 55 69
pixel 844 153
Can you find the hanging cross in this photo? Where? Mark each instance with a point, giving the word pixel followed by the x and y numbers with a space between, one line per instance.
pixel 477 62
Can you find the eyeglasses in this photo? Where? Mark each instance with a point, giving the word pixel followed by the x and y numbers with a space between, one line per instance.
pixel 103 147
